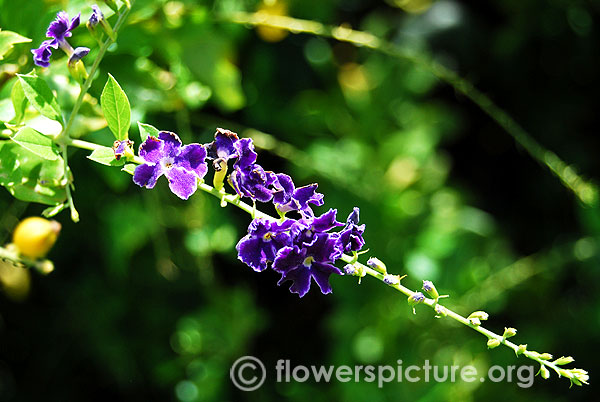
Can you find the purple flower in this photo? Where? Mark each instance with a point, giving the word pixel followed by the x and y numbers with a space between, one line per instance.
pixel 313 260
pixel 96 16
pixel 249 179
pixel 41 55
pixel 61 27
pixel 222 148
pixel 264 239
pixel 288 198
pixel 121 148
pixel 312 254
pixel 182 165
pixel 59 30
pixel 352 234
pixel 78 54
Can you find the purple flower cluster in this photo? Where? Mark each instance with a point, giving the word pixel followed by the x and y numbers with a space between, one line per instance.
pixel 58 32
pixel 301 250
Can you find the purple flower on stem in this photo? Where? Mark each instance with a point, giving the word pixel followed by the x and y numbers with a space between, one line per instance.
pixel 249 179
pixel 352 234
pixel 314 260
pixel 264 239
pixel 223 146
pixel 96 16
pixel 289 198
pixel 182 165
pixel 121 148
pixel 59 30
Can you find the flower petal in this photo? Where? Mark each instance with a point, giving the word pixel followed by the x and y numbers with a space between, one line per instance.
pixel 223 145
pixel 250 253
pixel 285 189
pixel 288 258
pixel 171 143
pixel 182 183
pixel 191 158
pixel 321 273
pixel 41 55
pixel 146 175
pixel 325 222
pixel 246 154
pixel 151 150
pixel 301 278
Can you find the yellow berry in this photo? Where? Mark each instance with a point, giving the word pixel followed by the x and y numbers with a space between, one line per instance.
pixel 35 236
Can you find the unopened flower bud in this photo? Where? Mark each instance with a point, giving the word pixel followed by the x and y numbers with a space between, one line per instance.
pixel 545 356
pixel 123 148
pixel 544 373
pixel 521 349
pixel 480 315
pixel 350 269
pixel 563 360
pixel 76 66
pixel 441 311
pixel 35 236
pixel 430 289
pixel 493 343
pixel 391 279
pixel 508 332
pixel 414 299
pixel 377 265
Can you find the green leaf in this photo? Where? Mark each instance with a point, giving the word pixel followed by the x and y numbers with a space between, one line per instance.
pixel 8 39
pixel 106 156
pixel 19 102
pixel 129 168
pixel 37 143
pixel 29 177
pixel 40 96
pixel 116 109
pixel 147 130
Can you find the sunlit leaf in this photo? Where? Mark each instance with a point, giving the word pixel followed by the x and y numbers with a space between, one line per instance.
pixel 116 108
pixel 106 156
pixel 40 96
pixel 8 39
pixel 37 143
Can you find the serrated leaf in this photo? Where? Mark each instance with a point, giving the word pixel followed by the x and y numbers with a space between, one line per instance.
pixel 19 102
pixel 116 109
pixel 106 156
pixel 8 39
pixel 129 168
pixel 37 143
pixel 38 93
pixel 147 130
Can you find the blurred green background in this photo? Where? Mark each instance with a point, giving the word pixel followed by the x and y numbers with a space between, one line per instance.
pixel 148 301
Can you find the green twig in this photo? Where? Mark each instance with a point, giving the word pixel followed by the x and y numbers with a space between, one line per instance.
pixel 586 191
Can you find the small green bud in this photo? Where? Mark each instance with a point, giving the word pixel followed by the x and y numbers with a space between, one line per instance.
pixel 481 315
pixel 545 356
pixel 580 375
pixel 430 289
pixel 441 311
pixel 563 360
pixel 414 299
pixel 377 265
pixel 474 321
pixel 544 373
pixel 565 373
pixel 493 343
pixel 508 332
pixel 521 349
pixel 220 166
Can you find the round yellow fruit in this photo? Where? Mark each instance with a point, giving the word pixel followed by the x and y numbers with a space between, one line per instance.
pixel 35 236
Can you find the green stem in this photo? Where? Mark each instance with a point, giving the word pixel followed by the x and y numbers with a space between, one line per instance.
pixel 586 191
pixel 64 135
pixel 235 200
pixel 44 266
